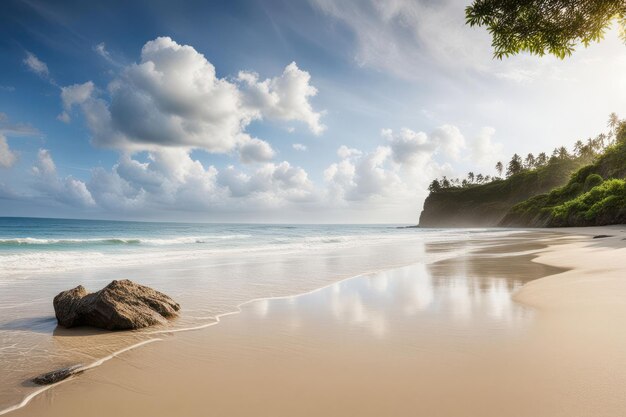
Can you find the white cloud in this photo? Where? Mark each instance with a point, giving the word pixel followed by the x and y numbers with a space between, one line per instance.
pixel 299 147
pixel 7 157
pixel 35 65
pixel 72 95
pixel 484 151
pixel 66 190
pixel 173 98
pixel 344 152
pixel 450 139
pixel 412 148
pixel 409 146
pixel 285 97
pixel 255 150
pixel 101 50
pixel 396 174
pixel 269 185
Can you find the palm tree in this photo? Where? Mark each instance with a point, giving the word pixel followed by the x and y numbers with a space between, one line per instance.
pixel 434 186
pixel 515 165
pixel 499 168
pixel 541 160
pixel 470 176
pixel 562 153
pixel 578 147
pixel 613 122
pixel 480 178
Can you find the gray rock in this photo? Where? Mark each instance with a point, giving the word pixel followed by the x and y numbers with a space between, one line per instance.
pixel 121 305
pixel 58 375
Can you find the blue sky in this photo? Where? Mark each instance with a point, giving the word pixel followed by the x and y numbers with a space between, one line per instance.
pixel 279 111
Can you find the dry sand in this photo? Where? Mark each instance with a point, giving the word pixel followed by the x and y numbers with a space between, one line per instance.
pixel 428 340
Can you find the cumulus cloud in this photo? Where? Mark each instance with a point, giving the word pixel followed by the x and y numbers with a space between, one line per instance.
pixel 299 147
pixel 7 157
pixel 173 98
pixel 344 152
pixel 270 184
pixel 396 173
pixel 484 151
pixel 68 190
pixel 35 65
pixel 450 140
pixel 72 95
pixel 410 147
pixel 255 150
pixel 285 97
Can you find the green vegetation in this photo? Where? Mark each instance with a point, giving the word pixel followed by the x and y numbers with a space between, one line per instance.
pixel 486 204
pixel 595 194
pixel 565 189
pixel 545 26
pixel 584 152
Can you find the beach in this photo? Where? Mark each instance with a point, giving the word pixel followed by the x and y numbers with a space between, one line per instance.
pixel 489 323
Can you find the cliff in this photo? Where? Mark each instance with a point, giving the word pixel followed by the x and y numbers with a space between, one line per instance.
pixel 486 205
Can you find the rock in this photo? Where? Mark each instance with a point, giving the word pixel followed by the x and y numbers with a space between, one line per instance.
pixel 121 305
pixel 601 236
pixel 58 375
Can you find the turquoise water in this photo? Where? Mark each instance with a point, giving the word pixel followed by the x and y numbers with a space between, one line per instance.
pixel 32 245
pixel 59 234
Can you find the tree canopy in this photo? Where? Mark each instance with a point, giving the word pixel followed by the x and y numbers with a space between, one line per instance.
pixel 545 26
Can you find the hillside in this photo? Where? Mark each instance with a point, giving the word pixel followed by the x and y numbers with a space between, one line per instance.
pixel 594 196
pixel 487 204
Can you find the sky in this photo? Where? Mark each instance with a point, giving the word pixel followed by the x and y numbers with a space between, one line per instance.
pixel 288 111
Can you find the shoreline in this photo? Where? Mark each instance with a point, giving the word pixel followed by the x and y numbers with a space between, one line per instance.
pixel 538 257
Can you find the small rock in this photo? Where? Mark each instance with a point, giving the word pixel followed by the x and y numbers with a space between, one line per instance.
pixel 121 305
pixel 58 375
pixel 601 236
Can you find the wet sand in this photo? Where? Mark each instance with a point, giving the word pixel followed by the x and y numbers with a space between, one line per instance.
pixel 531 327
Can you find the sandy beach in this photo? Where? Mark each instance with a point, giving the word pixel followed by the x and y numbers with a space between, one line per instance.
pixel 531 325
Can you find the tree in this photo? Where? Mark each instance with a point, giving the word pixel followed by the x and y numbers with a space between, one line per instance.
pixel 562 153
pixel 480 178
pixel 470 176
pixel 579 146
pixel 434 186
pixel 613 122
pixel 529 162
pixel 545 26
pixel 445 183
pixel 499 168
pixel 515 166
pixel 541 160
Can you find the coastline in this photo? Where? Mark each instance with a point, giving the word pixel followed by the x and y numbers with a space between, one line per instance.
pixel 540 294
